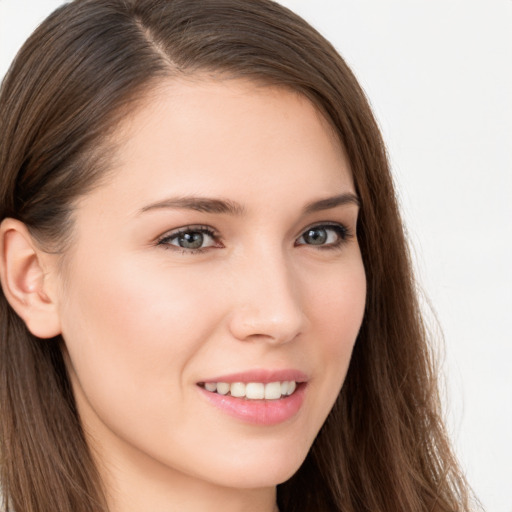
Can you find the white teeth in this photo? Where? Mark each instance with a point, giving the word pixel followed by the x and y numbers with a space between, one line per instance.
pixel 223 388
pixel 253 390
pixel 272 390
pixel 238 389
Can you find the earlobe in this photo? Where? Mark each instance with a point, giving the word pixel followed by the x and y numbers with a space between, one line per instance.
pixel 23 274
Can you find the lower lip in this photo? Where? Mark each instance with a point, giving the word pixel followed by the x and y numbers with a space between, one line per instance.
pixel 259 412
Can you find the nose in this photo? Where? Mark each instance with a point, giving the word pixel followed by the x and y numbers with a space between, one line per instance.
pixel 267 302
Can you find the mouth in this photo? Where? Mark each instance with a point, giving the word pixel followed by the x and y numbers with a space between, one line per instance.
pixel 253 390
pixel 259 397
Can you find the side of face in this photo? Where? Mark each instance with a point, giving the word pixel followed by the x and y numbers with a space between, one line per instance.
pixel 224 248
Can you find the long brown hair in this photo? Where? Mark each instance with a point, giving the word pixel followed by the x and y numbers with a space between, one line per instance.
pixel 383 446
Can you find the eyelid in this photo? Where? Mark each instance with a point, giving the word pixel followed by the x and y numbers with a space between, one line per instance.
pixel 164 239
pixel 343 231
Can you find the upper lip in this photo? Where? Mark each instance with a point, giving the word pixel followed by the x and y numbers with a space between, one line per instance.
pixel 261 375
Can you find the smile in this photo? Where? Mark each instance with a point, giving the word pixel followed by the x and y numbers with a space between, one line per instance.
pixel 252 390
pixel 261 397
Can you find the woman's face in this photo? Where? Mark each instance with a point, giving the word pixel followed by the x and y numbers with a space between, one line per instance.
pixel 221 254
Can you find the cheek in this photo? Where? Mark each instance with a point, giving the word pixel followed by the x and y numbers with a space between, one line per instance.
pixel 337 310
pixel 337 303
pixel 130 304
pixel 134 336
pixel 132 346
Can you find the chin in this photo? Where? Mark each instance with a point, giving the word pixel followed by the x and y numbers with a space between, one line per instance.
pixel 263 471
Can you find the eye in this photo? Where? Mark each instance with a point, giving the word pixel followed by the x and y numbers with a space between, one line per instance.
pixel 326 235
pixel 190 239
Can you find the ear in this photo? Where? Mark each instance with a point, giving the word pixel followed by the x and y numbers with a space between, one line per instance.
pixel 25 273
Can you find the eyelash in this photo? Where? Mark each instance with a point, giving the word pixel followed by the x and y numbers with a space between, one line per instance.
pixel 343 234
pixel 165 241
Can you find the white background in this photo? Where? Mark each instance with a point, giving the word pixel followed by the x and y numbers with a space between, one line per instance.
pixel 439 76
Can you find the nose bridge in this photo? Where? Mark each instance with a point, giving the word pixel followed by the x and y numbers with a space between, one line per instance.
pixel 267 301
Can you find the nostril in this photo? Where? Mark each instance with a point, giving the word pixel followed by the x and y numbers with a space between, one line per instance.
pixel 258 326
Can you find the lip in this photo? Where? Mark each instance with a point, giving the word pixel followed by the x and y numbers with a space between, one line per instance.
pixel 259 412
pixel 261 375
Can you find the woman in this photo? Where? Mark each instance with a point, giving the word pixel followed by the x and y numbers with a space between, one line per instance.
pixel 207 297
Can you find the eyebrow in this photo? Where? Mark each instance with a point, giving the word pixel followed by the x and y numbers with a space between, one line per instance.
pixel 200 204
pixel 226 206
pixel 332 202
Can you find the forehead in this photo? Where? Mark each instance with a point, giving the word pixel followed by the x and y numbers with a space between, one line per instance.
pixel 226 137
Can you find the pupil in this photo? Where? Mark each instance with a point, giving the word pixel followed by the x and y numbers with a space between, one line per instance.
pixel 316 236
pixel 191 240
